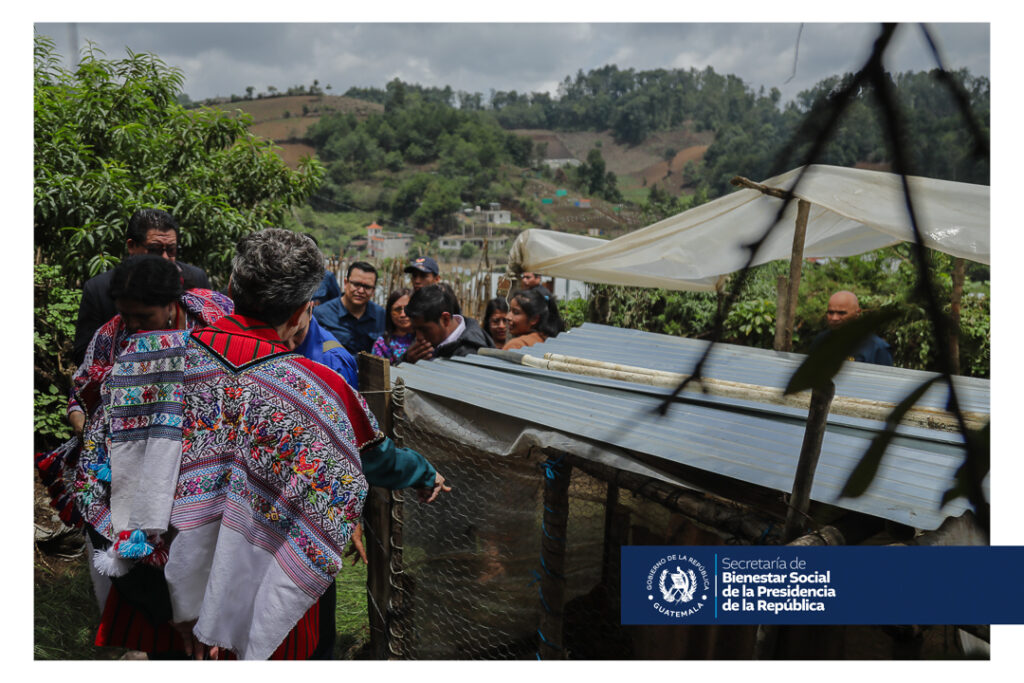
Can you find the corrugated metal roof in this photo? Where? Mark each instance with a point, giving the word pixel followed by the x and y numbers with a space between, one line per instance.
pixel 754 443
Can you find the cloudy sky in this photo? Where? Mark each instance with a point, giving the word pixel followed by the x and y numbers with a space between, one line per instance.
pixel 224 58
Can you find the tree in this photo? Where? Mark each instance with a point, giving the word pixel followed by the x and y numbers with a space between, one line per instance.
pixel 110 138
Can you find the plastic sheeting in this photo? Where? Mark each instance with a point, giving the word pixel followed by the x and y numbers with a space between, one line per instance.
pixel 852 211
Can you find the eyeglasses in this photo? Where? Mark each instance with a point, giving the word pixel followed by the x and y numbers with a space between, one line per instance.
pixel 361 285
pixel 158 249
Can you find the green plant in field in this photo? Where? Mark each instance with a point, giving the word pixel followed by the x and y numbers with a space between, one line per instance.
pixel 110 137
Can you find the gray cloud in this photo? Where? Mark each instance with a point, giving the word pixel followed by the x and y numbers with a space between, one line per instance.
pixel 221 59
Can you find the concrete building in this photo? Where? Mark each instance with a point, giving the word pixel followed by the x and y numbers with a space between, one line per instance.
pixel 384 244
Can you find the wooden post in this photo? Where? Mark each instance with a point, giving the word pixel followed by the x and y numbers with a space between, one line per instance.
pixel 781 308
pixel 375 380
pixel 796 262
pixel 785 319
pixel 954 313
pixel 814 433
pixel 557 473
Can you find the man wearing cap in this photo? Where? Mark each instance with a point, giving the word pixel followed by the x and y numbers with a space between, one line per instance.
pixel 423 271
pixel 354 319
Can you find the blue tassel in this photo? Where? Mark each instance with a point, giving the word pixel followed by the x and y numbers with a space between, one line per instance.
pixel 136 546
pixel 102 471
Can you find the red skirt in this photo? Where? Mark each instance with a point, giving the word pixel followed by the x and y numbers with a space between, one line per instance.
pixel 123 625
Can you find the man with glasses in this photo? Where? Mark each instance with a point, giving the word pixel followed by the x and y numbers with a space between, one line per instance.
pixel 150 231
pixel 354 319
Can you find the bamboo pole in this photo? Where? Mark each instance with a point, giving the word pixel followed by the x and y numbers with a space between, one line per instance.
pixel 921 416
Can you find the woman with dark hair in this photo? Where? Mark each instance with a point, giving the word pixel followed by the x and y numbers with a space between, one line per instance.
pixel 532 317
pixel 150 293
pixel 398 335
pixel 496 321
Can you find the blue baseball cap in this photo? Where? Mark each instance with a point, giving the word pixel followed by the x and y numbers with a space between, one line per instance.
pixel 424 264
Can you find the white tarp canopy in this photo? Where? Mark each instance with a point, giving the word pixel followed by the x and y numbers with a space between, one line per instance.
pixel 852 211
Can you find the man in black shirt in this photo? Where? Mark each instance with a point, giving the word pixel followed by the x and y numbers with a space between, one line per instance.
pixel 149 231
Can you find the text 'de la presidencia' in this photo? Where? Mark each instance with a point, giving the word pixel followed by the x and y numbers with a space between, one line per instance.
pixel 821 585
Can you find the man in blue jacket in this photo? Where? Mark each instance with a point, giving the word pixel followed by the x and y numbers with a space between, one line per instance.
pixel 354 319
pixel 316 343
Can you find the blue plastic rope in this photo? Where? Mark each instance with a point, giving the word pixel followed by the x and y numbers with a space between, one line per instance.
pixel 557 647
pixel 545 530
pixel 548 571
pixel 551 468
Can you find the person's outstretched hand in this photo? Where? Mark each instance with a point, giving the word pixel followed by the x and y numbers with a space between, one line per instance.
pixel 431 494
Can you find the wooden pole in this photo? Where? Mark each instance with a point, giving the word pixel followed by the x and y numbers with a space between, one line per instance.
pixel 796 261
pixel 557 473
pixel 781 307
pixel 375 380
pixel 784 318
pixel 954 312
pixel 767 637
pixel 800 500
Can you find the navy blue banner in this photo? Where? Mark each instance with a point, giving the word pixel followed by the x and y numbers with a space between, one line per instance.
pixel 822 585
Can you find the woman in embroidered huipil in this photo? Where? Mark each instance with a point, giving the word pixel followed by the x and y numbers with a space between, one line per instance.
pixel 399 334
pixel 150 294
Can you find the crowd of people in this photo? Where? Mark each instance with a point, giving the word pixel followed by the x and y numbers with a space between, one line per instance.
pixel 222 453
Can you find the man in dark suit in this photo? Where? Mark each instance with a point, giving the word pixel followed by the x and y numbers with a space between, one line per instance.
pixel 149 231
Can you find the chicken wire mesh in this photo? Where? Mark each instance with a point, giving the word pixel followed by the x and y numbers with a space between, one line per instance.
pixel 472 579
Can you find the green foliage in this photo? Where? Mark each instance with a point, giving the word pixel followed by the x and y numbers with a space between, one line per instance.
pixel 938 141
pixel 752 322
pixel 110 137
pixel 886 278
pixel 883 279
pixel 55 312
pixel 593 178
pixel 419 126
pixel 573 312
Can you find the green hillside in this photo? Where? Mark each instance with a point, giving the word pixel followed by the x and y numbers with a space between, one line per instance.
pixel 617 150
